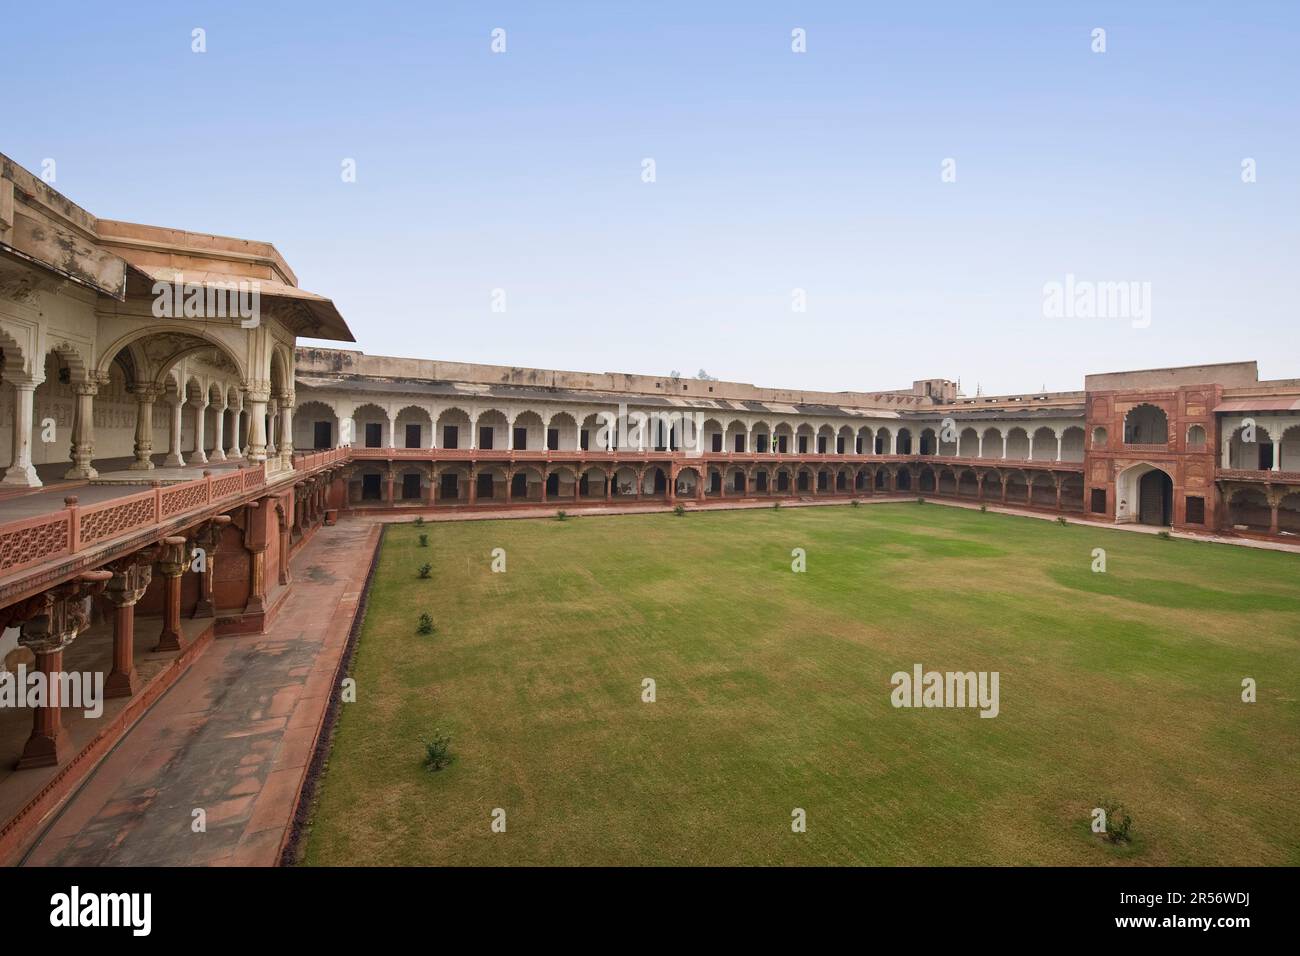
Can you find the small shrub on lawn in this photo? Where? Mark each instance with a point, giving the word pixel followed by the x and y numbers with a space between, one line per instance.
pixel 561 515
pixel 1118 823
pixel 437 751
pixel 425 569
pixel 855 502
pixel 984 507
pixel 1166 536
pixel 920 501
pixel 1062 520
pixel 424 540
pixel 679 510
pixel 425 626
pixel 419 521
pixel 776 506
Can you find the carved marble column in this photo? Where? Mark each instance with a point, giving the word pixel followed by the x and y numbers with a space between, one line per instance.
pixel 286 429
pixel 219 436
pixel 174 457
pixel 83 429
pixel 200 457
pixel 255 401
pixel 21 473
pixel 145 396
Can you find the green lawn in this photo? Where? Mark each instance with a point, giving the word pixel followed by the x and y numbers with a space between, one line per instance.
pixel 773 692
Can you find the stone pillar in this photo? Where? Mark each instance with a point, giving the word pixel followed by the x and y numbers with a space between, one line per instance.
pixel 174 558
pixel 83 430
pixel 129 582
pixel 174 457
pixel 388 478
pixel 209 539
pixel 272 419
pixel 233 449
pixel 145 396
pixel 473 486
pixel 219 439
pixel 200 457
pixel 286 430
pixel 46 635
pixel 21 473
pixel 256 403
pixel 286 527
pixel 1058 447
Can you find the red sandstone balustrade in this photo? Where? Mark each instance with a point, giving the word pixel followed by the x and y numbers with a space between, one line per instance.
pixel 1244 474
pixel 30 541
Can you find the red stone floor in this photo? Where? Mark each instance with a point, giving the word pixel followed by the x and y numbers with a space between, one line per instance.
pixel 233 736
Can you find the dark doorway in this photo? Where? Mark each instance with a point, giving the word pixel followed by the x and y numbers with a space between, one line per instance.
pixel 740 443
pixel 374 434
pixel 521 439
pixel 552 484
pixel 760 481
pixel 740 482
pixel 369 487
pixel 903 480
pixel 783 444
pixel 485 437
pixel 485 486
pixel 839 445
pixel 413 435
pixel 450 437
pixel 1098 501
pixel 1155 498
pixel 553 439
pixel 803 444
pixel 823 480
pixel 717 442
pixel 661 481
pixel 760 444
pixel 802 483
pixel 715 482
pixel 519 486
pixel 322 435
pixel 783 481
pixel 449 489
pixel 410 487
pixel 821 444
pixel 584 439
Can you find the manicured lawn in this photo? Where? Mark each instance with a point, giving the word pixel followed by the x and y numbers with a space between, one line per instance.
pixel 773 692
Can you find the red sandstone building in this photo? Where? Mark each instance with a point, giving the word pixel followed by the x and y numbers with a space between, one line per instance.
pixel 164 464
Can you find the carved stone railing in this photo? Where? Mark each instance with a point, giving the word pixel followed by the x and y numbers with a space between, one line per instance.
pixel 30 541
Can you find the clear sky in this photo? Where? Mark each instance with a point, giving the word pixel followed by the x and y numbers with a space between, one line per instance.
pixel 775 171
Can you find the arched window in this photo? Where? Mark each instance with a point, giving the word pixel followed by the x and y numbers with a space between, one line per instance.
pixel 1196 437
pixel 1146 425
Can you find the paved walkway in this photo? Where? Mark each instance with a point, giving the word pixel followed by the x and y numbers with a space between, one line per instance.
pixel 233 737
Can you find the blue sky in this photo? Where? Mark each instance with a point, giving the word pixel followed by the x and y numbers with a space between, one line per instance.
pixel 775 171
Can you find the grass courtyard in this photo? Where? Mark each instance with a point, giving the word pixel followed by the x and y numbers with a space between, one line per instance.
pixel 773 693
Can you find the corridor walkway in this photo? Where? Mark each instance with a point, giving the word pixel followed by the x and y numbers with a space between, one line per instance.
pixel 232 738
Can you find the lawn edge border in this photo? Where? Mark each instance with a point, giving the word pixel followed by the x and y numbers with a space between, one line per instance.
pixel 295 842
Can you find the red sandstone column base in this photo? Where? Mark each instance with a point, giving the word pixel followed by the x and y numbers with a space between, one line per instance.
pixel 122 683
pixel 43 750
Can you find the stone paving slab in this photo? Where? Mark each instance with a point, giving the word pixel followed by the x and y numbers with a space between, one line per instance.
pixel 233 737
